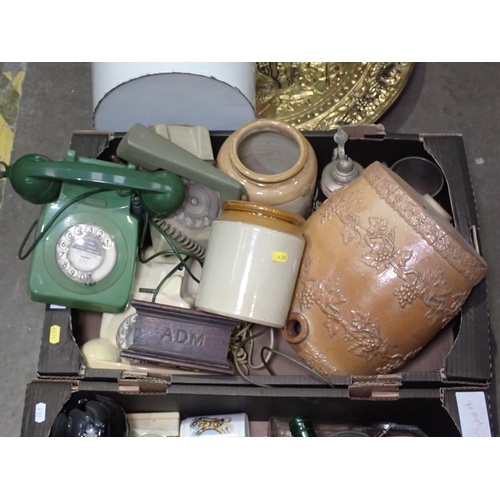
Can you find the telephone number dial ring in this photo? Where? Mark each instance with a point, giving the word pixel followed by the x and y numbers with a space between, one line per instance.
pixel 86 253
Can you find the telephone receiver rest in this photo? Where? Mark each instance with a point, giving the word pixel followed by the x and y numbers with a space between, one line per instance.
pixel 151 151
pixel 38 179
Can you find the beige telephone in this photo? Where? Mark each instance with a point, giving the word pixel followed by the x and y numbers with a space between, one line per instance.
pixel 117 330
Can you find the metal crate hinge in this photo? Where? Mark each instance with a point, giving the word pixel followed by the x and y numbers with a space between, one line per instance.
pixel 375 387
pixel 147 385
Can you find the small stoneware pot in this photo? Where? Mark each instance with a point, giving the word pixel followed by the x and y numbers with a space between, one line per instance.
pixel 382 273
pixel 275 162
pixel 252 262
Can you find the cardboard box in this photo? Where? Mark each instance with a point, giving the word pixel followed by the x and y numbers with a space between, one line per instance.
pixel 458 355
pixel 439 412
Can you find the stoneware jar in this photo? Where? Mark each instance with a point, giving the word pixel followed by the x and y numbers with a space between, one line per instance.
pixel 382 273
pixel 252 262
pixel 275 162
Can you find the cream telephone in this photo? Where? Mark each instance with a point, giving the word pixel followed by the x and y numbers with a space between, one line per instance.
pixel 117 330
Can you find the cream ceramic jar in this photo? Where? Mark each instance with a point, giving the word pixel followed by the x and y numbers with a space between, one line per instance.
pixel 252 263
pixel 275 162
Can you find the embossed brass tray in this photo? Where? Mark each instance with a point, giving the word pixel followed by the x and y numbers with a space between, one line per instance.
pixel 327 95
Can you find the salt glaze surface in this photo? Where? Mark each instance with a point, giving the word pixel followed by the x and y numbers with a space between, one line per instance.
pixel 382 273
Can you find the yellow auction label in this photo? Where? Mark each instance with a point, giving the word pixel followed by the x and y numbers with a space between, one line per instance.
pixel 55 334
pixel 280 256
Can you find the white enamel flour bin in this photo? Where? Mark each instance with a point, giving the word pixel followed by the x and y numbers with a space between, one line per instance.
pixel 218 96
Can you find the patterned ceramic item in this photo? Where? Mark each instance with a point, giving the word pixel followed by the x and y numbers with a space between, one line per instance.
pixel 234 425
pixel 274 161
pixel 382 273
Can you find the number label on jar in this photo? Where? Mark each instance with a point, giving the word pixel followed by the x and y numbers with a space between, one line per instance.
pixel 280 256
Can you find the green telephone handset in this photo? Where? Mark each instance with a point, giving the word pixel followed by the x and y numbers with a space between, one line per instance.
pixel 85 250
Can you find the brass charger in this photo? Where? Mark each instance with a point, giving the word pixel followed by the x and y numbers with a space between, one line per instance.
pixel 328 95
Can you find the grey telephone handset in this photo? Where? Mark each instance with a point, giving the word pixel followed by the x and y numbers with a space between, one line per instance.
pixel 205 185
pixel 190 225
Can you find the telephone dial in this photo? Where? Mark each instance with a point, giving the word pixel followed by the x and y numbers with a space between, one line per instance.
pixel 85 248
pixel 86 242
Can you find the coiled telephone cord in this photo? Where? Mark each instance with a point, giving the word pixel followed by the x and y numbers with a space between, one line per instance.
pixel 179 237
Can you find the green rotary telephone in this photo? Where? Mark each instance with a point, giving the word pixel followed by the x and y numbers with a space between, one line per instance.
pixel 85 250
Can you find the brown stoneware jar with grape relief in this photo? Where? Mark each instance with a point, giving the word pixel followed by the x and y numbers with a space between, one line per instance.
pixel 383 271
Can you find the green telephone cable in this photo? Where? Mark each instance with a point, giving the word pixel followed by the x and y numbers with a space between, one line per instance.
pixel 167 253
pixel 176 251
pixel 182 263
pixel 163 252
pixel 171 273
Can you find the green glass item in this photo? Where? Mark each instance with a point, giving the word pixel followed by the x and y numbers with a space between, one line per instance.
pixel 301 427
pixel 151 151
pixel 85 249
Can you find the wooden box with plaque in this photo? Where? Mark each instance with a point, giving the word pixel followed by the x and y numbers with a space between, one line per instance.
pixel 185 339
